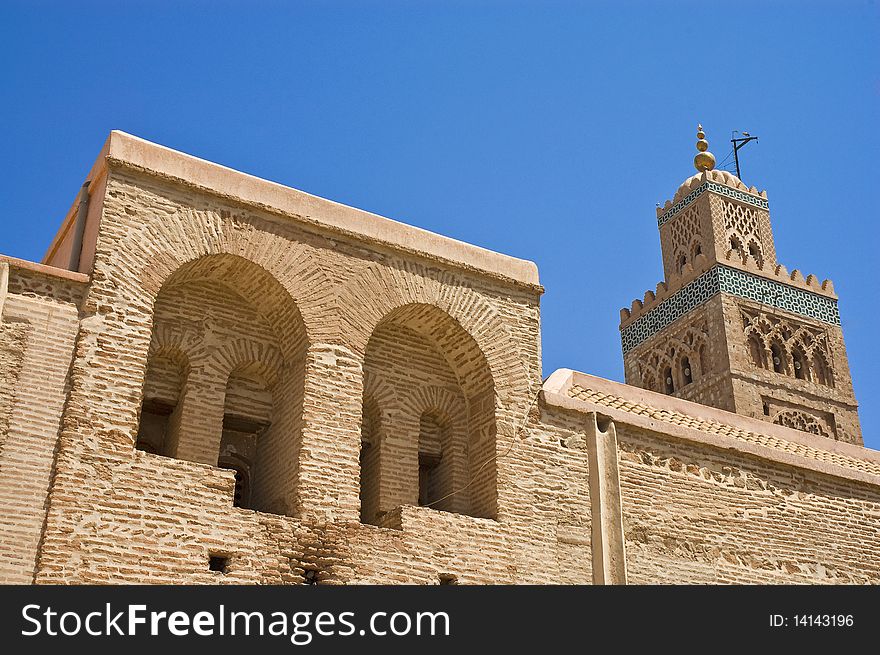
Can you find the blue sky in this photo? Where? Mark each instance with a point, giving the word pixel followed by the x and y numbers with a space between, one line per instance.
pixel 546 130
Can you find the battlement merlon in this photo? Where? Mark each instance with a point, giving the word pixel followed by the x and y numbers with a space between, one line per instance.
pixel 702 264
pixel 697 184
pixel 125 151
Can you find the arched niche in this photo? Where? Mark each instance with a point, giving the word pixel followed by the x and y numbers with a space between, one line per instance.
pixel 245 345
pixel 444 421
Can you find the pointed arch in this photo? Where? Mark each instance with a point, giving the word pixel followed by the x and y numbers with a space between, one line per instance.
pixel 757 351
pixel 821 369
pixel 778 356
pixel 799 363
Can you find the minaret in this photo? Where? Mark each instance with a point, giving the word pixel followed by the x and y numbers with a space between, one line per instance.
pixel 729 326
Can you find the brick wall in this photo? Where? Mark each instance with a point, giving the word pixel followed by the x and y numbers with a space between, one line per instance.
pixel 37 332
pixel 352 357
pixel 729 518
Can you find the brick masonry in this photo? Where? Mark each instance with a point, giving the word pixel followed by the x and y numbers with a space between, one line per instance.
pixel 380 390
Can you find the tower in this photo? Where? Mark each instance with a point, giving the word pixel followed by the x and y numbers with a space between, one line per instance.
pixel 729 326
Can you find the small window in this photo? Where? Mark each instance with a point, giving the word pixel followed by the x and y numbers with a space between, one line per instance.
pixel 218 563
pixel 686 373
pixel 434 479
pixel 756 351
pixel 800 366
pixel 755 252
pixel 240 496
pixel 668 382
pixel 778 358
pixel 448 579
pixel 153 427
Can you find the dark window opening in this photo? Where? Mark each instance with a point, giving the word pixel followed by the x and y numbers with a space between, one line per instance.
pixel 428 469
pixel 448 578
pixel 686 371
pixel 800 368
pixel 778 362
pixel 755 252
pixel 241 494
pixel 237 449
pixel 756 350
pixel 218 563
pixel 669 384
pixel 766 408
pixel 155 416
pixel 434 473
pixel 310 577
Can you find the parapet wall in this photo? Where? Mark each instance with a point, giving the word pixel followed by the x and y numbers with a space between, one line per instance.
pixel 710 497
pixel 39 319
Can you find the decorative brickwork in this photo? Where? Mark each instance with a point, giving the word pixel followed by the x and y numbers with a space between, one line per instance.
pixel 788 347
pixel 679 360
pixel 740 196
pixel 784 350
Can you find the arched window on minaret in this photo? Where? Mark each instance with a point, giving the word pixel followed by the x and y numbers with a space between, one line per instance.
pixel 799 361
pixel 756 351
pixel 778 358
pixel 668 382
pixel 686 373
pixel 821 370
pixel 755 252
pixel 682 260
pixel 736 245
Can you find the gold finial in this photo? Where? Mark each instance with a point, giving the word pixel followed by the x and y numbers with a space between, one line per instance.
pixel 705 160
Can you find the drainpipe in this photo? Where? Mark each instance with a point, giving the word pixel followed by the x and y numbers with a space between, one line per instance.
pixel 79 227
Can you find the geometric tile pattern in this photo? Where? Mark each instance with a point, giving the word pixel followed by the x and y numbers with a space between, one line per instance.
pixel 779 295
pixel 723 279
pixel 741 196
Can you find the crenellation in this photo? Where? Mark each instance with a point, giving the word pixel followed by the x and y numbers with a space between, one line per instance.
pixel 785 362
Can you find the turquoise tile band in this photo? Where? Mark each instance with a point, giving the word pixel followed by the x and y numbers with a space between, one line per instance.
pixel 723 279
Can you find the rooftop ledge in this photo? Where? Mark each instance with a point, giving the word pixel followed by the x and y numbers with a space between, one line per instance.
pixel 127 150
pixel 706 425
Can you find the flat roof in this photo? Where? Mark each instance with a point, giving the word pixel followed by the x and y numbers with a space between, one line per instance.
pixel 127 150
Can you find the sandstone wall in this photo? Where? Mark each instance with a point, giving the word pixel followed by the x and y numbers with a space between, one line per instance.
pixel 37 331
pixel 727 518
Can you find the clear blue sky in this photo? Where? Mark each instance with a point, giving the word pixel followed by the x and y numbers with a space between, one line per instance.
pixel 548 131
